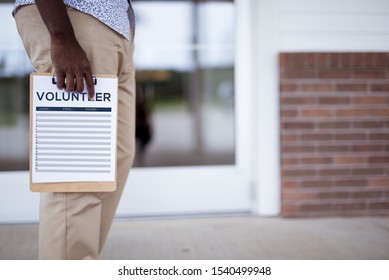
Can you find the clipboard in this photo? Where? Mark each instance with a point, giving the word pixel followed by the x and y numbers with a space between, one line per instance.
pixel 73 141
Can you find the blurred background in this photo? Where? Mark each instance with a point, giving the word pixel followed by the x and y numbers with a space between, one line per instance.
pixel 14 106
pixel 185 84
pixel 273 108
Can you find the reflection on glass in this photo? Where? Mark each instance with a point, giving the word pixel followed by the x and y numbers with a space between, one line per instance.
pixel 185 85
pixel 14 69
pixel 185 75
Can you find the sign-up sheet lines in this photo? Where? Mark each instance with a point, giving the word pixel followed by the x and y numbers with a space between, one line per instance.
pixel 73 140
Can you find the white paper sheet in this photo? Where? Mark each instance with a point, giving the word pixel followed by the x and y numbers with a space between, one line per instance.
pixel 73 139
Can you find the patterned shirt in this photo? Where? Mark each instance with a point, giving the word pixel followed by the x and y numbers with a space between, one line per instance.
pixel 111 13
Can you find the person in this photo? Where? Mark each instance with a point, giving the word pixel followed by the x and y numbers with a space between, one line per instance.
pixel 75 40
pixel 143 125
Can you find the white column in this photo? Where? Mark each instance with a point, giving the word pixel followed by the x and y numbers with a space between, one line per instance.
pixel 266 112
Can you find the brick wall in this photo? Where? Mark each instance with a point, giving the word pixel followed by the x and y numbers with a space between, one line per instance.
pixel 334 134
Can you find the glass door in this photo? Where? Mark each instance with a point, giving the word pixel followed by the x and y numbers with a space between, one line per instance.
pixel 185 83
pixel 190 131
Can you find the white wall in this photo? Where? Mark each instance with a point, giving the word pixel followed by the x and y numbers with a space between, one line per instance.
pixel 333 25
pixel 17 203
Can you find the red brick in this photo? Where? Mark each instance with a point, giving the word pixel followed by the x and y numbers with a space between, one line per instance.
pixel 317 207
pixel 334 60
pixel 333 195
pixel 289 184
pixel 288 137
pixel 365 74
pixel 358 60
pixel 370 60
pixel 350 136
pixel 351 169
pixel 316 160
pixel 316 113
pixel 353 112
pixel 379 159
pixel 298 74
pixel 368 124
pixel 311 60
pixel 352 206
pixel 368 148
pixel 379 205
pixel 349 159
pixel 295 60
pixel 334 172
pixel 367 194
pixel 369 100
pixel 334 100
pixel 298 173
pixel 323 60
pixel 346 60
pixel 288 87
pixel 367 171
pixel 297 100
pixel 316 184
pixel 298 149
pixel 380 87
pixel 316 137
pixel 334 74
pixel 298 125
pixel 289 161
pixel 333 148
pixel 381 60
pixel 287 209
pixel 334 125
pixel 289 113
pixel 316 88
pixel 288 196
pixel 380 112
pixel 350 183
pixel 291 60
pixel 379 182
pixel 351 87
pixel 379 136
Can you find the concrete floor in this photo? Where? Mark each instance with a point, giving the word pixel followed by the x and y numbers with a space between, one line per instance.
pixel 226 238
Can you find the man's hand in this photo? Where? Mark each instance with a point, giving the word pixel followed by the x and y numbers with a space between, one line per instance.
pixel 71 65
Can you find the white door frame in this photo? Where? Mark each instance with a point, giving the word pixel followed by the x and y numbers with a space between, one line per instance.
pixel 205 189
pixel 266 101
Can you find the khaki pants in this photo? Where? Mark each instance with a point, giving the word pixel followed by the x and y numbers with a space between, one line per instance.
pixel 76 225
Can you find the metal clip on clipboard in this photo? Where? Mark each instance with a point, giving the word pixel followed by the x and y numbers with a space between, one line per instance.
pixel 54 80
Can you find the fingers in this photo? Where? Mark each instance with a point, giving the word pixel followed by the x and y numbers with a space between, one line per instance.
pixel 75 83
pixel 79 84
pixel 69 83
pixel 90 85
pixel 60 80
pixel 72 67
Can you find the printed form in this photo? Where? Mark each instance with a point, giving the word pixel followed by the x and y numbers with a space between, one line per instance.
pixel 73 139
